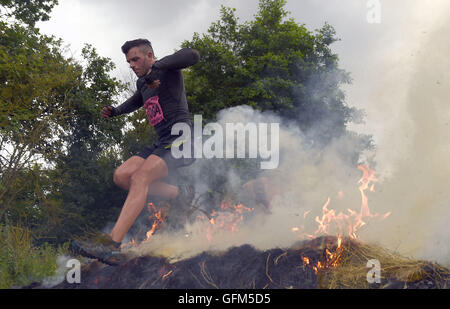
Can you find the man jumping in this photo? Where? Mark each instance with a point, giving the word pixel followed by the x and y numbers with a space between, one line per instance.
pixel 160 89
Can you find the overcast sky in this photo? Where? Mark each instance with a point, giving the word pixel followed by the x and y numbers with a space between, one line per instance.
pixel 367 50
pixel 108 23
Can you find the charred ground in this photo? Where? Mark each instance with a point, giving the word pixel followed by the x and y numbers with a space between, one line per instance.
pixel 245 267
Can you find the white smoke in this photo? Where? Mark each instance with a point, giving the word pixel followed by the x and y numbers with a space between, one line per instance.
pixel 60 274
pixel 410 101
pixel 304 180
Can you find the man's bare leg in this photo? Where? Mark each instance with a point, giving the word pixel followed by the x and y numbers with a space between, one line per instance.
pixel 122 178
pixel 152 169
pixel 163 189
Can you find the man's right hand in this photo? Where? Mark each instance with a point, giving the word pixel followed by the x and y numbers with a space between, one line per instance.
pixel 107 111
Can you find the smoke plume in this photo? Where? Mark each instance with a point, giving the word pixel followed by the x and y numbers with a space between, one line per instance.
pixel 413 155
pixel 304 180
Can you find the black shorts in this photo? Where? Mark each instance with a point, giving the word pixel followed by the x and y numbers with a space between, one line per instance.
pixel 163 149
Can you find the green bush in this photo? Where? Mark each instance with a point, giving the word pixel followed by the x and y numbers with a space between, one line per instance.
pixel 20 262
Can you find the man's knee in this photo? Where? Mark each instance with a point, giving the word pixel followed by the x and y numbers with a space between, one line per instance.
pixel 121 177
pixel 123 173
pixel 150 172
pixel 137 177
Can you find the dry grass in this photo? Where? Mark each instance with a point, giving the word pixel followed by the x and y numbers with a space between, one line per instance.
pixel 352 269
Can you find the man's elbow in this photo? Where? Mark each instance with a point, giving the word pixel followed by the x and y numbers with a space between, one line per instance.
pixel 195 56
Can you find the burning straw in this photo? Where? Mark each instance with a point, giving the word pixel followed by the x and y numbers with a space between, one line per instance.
pixel 396 271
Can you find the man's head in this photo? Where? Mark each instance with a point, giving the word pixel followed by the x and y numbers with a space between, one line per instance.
pixel 140 56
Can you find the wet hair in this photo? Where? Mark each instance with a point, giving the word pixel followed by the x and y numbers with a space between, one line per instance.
pixel 143 44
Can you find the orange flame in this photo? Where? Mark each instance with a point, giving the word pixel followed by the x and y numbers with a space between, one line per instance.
pixel 305 260
pixel 164 273
pixel 331 258
pixel 158 216
pixel 348 224
pixel 228 218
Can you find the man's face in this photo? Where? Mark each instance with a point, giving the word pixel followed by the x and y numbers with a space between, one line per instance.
pixel 140 62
